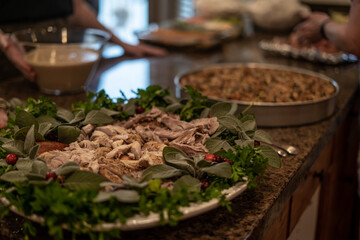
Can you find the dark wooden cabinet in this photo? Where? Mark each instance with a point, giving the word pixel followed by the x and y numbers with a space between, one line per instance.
pixel 335 172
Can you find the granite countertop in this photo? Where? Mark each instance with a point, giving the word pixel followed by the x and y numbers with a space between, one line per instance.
pixel 253 211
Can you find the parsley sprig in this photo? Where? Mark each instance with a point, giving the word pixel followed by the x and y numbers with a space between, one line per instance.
pixel 153 95
pixel 42 106
pixel 247 162
pixel 194 106
pixel 96 101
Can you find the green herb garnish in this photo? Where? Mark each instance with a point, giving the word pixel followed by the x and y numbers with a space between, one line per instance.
pixel 42 106
pixel 75 201
pixel 96 101
pixel 153 95
pixel 194 106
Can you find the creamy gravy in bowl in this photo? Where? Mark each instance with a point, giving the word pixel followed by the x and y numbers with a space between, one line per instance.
pixel 62 69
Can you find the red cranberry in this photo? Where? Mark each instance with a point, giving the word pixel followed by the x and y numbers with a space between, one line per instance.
pixel 219 159
pixel 51 175
pixel 204 184
pixel 227 160
pixel 139 109
pixel 210 157
pixel 11 159
pixel 256 143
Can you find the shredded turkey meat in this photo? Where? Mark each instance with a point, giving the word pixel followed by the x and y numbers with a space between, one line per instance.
pixel 130 147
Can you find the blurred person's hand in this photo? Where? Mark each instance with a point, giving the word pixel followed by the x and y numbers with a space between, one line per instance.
pixel 142 50
pixel 84 16
pixel 309 30
pixel 15 53
pixel 3 118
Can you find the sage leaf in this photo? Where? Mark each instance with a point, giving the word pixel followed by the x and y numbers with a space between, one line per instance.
pixel 14 102
pixel 111 184
pixel 174 107
pixel 15 147
pixel 44 127
pixel 170 99
pixel 271 155
pixel 78 117
pixel 24 164
pixel 65 115
pixel 223 108
pixel 109 112
pixel 97 118
pixel 187 180
pixel 249 127
pixel 3 163
pixel 244 143
pixel 14 176
pixel 66 170
pixel 4 140
pixel 68 134
pixel 220 170
pixel 130 106
pixel 176 158
pixel 218 132
pixel 161 171
pixel 203 163
pixel 132 182
pixel 197 159
pixel 216 144
pixel 48 119
pixel 40 182
pixel 243 135
pixel 25 119
pixel 172 150
pixel 29 139
pixel 263 136
pixel 125 196
pixel 21 134
pixel 35 176
pixel 83 180
pixel 230 122
pixel 40 168
pixel 205 113
pixel 34 151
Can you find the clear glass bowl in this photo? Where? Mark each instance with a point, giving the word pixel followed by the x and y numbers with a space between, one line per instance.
pixel 63 59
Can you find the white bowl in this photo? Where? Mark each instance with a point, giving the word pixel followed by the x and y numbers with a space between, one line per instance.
pixel 63 59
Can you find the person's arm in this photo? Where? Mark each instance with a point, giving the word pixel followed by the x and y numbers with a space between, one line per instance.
pixel 14 52
pixel 346 36
pixel 84 16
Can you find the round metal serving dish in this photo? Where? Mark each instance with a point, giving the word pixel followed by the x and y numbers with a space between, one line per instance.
pixel 270 114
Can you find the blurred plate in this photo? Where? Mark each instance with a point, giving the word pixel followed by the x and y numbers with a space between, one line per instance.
pixel 309 54
pixel 194 32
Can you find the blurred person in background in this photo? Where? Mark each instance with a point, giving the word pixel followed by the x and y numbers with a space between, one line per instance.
pixel 345 37
pixel 22 14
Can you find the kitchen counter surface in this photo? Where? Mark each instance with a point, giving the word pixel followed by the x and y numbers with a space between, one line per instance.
pixel 253 212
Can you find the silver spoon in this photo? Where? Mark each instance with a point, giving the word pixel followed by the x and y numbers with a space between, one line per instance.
pixel 287 148
pixel 280 152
